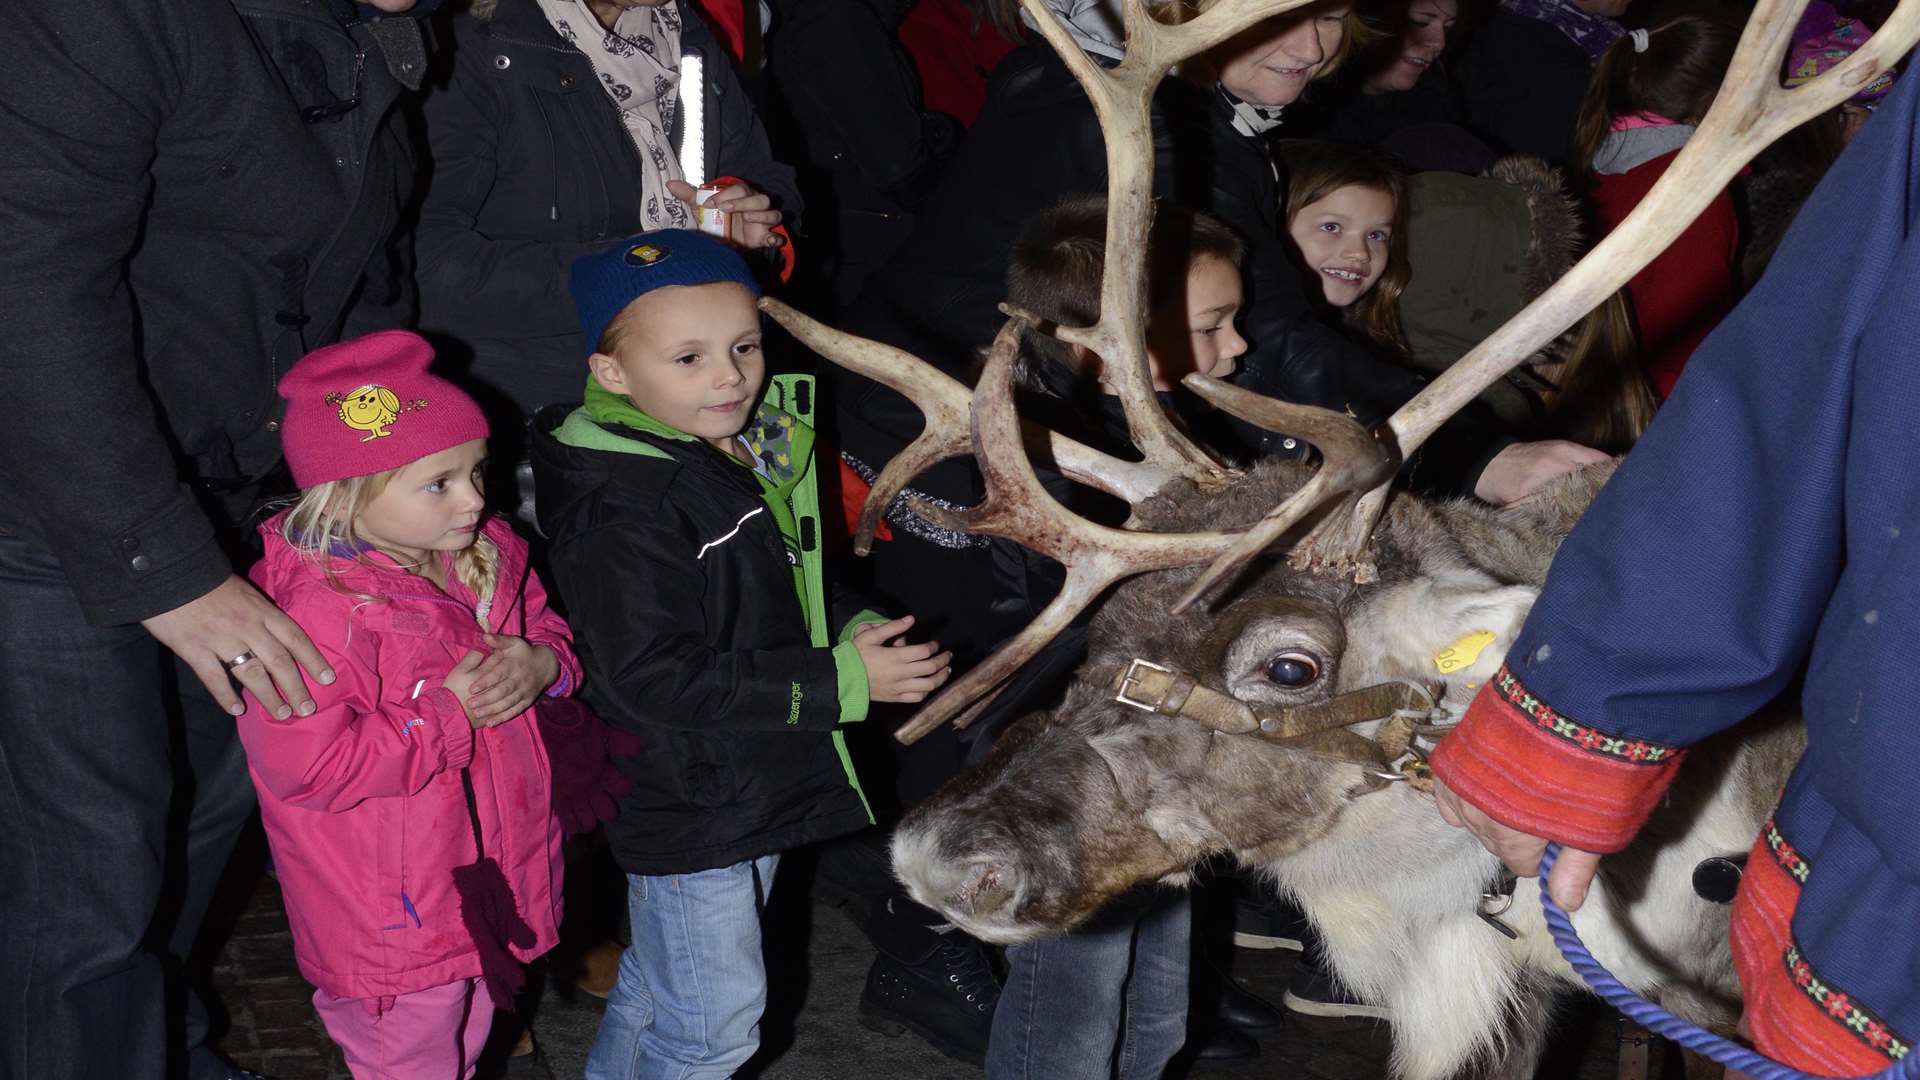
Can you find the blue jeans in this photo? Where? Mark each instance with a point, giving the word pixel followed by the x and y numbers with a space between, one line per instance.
pixel 693 983
pixel 122 789
pixel 1106 1002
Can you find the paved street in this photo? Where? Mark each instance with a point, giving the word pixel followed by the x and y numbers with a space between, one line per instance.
pixel 811 1032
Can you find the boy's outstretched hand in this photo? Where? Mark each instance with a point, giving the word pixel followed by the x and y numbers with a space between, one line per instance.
pixel 900 672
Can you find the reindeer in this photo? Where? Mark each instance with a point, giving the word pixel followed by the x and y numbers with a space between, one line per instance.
pixel 1285 720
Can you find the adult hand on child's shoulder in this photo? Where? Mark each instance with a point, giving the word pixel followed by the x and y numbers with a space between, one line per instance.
pixel 752 217
pixel 900 672
pixel 510 679
pixel 236 622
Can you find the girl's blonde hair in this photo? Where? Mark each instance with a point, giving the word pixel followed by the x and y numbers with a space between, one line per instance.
pixel 319 525
pixel 1316 170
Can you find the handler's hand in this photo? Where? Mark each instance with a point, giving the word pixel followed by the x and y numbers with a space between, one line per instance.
pixel 1572 872
pixel 1514 473
pixel 232 620
pixel 753 217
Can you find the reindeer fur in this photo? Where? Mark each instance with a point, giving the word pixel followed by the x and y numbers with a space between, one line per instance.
pixel 1080 804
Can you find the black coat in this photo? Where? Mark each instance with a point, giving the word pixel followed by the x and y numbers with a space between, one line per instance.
pixel 701 646
pixel 1038 141
pixel 177 236
pixel 1348 114
pixel 532 168
pixel 854 100
pixel 1522 81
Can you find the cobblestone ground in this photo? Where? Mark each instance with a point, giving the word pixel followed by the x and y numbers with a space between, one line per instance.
pixel 811 1032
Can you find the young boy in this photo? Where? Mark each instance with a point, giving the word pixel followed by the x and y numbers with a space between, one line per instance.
pixel 1109 1000
pixel 1193 295
pixel 682 508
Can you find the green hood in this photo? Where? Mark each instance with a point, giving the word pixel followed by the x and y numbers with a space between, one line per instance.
pixel 782 442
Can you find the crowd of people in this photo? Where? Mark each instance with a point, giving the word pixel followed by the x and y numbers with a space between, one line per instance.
pixel 403 452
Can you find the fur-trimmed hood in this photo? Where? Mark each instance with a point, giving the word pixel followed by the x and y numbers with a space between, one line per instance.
pixel 1482 248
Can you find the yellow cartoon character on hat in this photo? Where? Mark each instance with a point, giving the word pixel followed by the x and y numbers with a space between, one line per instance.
pixel 370 408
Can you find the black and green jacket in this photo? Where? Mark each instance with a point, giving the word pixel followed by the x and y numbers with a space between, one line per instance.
pixel 696 593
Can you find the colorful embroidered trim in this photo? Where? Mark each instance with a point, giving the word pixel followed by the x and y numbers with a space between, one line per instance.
pixel 1865 1026
pixel 1784 853
pixel 1633 751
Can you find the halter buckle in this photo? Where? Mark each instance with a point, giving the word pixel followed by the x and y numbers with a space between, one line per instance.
pixel 1133 678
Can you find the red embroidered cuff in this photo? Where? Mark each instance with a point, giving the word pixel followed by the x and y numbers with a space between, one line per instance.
pixel 1535 770
pixel 1797 1016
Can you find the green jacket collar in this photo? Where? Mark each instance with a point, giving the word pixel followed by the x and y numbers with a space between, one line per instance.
pixel 782 441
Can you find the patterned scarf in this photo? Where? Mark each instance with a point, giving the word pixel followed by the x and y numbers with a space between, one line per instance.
pixel 638 62
pixel 1593 33
pixel 1250 119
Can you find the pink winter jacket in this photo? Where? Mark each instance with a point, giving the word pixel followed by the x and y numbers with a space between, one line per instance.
pixel 362 801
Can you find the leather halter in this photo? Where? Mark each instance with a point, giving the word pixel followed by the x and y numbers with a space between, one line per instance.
pixel 1320 728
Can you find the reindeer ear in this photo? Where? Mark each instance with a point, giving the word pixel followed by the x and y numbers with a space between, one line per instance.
pixel 1472 630
pixel 1427 630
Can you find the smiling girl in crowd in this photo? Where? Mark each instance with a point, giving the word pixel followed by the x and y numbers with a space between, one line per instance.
pixel 1346 212
pixel 422 762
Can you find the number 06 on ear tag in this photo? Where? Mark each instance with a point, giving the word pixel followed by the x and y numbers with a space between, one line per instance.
pixel 1463 652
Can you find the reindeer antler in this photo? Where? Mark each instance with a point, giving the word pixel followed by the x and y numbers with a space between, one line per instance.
pixel 947 406
pixel 1751 110
pixel 1018 508
pixel 1122 98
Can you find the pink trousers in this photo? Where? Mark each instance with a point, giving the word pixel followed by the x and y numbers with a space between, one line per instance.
pixel 432 1034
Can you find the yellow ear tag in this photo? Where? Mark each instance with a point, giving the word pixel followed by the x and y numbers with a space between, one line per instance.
pixel 1463 652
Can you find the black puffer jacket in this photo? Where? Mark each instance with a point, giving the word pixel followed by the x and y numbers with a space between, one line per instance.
pixel 177 235
pixel 681 590
pixel 533 168
pixel 1038 141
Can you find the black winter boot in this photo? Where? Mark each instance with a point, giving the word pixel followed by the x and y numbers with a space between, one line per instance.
pixel 939 986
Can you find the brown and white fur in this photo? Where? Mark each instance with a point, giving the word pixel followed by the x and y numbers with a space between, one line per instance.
pixel 1076 805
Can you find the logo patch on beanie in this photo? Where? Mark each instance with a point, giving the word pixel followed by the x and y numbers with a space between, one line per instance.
pixel 371 408
pixel 647 255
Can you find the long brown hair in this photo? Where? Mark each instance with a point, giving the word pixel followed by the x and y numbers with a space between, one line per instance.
pixel 1316 170
pixel 1602 395
pixel 1676 77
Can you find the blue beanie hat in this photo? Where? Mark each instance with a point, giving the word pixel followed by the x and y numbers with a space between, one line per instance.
pixel 604 283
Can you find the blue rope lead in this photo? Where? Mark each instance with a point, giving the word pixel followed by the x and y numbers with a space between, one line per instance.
pixel 1661 1022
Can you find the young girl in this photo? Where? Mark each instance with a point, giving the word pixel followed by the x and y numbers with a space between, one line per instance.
pixel 1346 210
pixel 1648 91
pixel 421 759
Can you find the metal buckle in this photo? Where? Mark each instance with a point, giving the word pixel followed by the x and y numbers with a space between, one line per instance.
pixel 1131 678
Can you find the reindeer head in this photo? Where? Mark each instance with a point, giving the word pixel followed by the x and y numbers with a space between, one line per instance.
pixel 1078 804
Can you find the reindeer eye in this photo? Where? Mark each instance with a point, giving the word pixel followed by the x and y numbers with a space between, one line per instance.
pixel 1292 670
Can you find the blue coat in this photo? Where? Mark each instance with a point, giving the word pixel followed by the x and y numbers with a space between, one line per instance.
pixel 1769 523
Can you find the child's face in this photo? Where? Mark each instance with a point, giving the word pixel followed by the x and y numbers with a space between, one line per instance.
pixel 1199 335
pixel 689 356
pixel 1344 238
pixel 434 504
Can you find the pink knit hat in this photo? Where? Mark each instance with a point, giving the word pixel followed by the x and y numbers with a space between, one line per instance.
pixel 368 405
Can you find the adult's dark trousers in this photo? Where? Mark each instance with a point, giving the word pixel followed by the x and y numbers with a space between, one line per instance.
pixel 122 789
